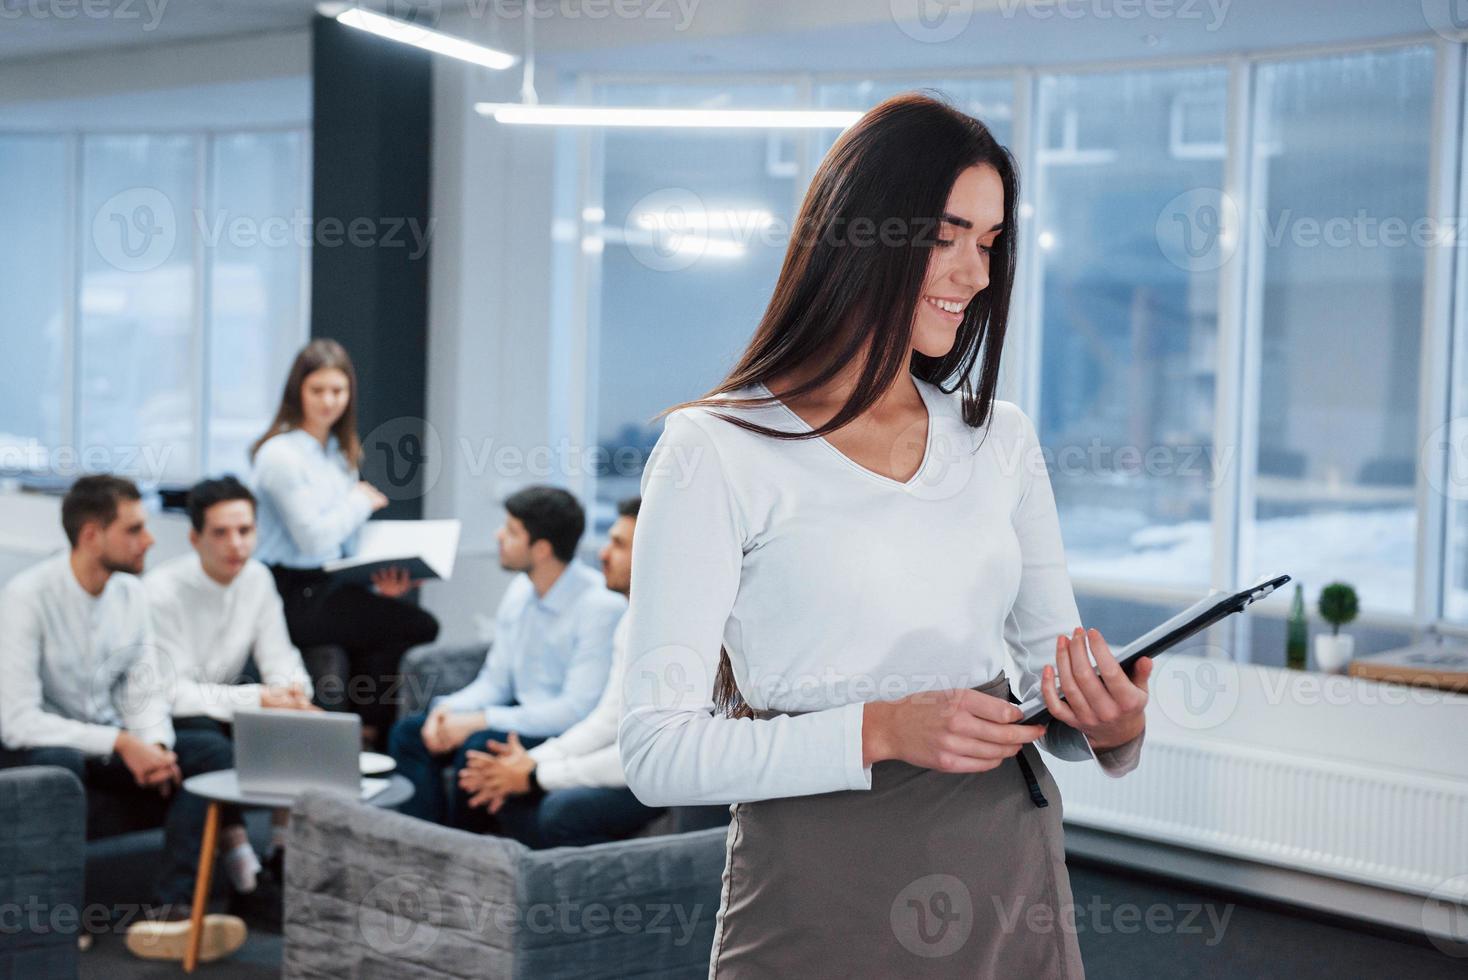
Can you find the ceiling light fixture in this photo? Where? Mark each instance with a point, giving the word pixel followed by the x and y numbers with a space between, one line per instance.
pixel 409 33
pixel 529 112
pixel 658 116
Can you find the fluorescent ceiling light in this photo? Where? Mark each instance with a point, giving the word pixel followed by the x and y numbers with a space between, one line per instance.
pixel 577 115
pixel 421 37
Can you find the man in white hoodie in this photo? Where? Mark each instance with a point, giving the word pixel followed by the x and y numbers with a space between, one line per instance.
pixel 569 790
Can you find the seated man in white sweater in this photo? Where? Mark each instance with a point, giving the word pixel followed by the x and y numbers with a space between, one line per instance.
pixel 569 790
pixel 82 686
pixel 213 611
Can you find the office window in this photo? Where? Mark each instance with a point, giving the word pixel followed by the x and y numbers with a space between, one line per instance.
pixel 136 305
pixel 1341 167
pixel 33 199
pixel 990 100
pixel 256 257
pixel 686 243
pixel 1129 317
pixel 189 296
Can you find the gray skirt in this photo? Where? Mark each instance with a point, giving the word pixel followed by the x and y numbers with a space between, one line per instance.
pixel 927 874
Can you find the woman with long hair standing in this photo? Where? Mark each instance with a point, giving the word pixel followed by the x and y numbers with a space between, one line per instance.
pixel 838 548
pixel 312 504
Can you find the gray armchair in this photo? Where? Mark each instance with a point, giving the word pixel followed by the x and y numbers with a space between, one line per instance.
pixel 43 823
pixel 429 671
pixel 370 892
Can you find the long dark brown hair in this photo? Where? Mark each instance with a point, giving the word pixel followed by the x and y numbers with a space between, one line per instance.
pixel 836 301
pixel 319 354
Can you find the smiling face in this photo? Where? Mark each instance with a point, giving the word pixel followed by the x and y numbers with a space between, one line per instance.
pixel 325 394
pixel 958 265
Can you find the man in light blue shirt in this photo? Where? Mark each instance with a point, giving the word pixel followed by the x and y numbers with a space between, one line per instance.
pixel 548 666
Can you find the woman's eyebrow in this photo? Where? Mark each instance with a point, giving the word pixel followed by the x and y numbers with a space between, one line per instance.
pixel 954 219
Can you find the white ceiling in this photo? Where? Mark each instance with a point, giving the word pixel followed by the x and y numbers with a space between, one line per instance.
pixel 45 28
pixel 767 35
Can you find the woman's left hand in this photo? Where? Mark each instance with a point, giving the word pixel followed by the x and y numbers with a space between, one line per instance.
pixel 1107 708
pixel 394 582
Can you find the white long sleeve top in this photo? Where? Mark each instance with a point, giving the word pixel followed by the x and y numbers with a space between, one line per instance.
pixel 309 510
pixel 207 631
pixel 586 755
pixel 76 669
pixel 831 585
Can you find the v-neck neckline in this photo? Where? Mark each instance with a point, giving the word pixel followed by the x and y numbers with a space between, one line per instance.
pixel 869 473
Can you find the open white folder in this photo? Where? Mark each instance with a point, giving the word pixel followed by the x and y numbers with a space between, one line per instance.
pixel 425 548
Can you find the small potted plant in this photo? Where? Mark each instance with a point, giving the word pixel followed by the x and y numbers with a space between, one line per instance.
pixel 1338 606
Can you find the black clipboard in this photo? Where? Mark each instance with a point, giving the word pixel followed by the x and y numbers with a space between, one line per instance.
pixel 1191 621
pixel 418 569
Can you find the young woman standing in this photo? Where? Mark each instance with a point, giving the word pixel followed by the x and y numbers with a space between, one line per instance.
pixel 312 504
pixel 834 557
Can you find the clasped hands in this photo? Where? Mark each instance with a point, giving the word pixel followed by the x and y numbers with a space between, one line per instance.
pixel 492 777
pixel 153 766
pixel 488 777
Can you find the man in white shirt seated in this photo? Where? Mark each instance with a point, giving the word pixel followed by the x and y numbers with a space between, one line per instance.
pixel 213 611
pixel 570 790
pixel 84 688
pixel 548 665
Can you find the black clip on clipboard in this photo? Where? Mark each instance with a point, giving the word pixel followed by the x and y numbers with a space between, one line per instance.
pixel 1191 621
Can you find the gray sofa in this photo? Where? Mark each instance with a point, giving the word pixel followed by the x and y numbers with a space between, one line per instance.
pixel 43 818
pixel 372 893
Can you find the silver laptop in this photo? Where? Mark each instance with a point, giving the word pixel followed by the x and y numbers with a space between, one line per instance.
pixel 279 752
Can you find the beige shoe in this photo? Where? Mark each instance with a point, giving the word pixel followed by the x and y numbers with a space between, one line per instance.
pixel 165 939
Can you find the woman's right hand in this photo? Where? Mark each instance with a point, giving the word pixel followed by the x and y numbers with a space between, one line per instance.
pixel 960 730
pixel 374 495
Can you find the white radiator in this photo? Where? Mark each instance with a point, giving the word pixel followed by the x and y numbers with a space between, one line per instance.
pixel 1401 830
